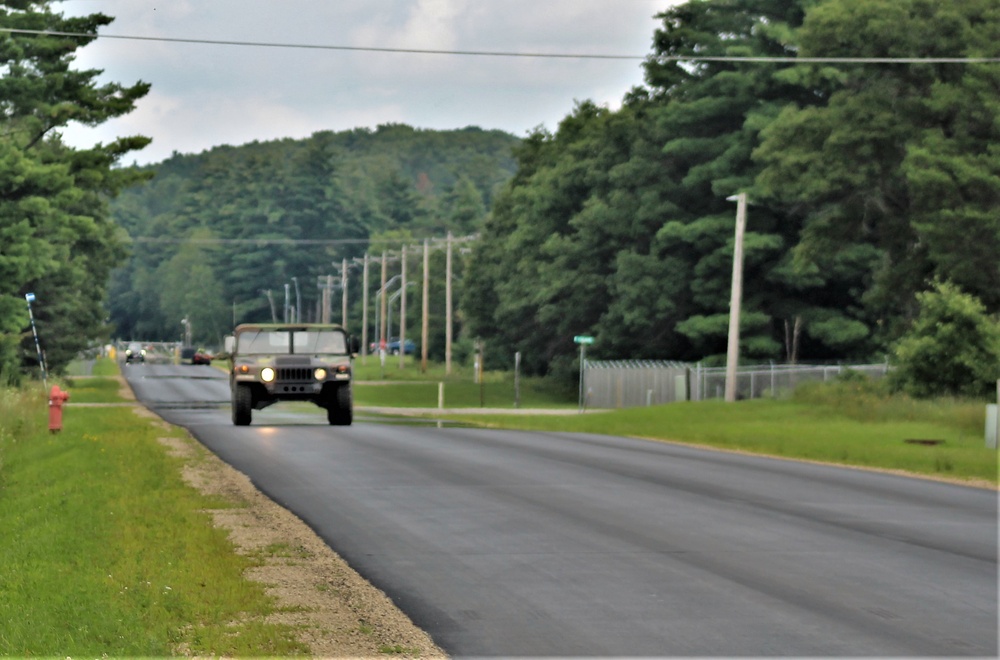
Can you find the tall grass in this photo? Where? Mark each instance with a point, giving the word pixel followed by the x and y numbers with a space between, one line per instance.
pixel 872 401
pixel 106 552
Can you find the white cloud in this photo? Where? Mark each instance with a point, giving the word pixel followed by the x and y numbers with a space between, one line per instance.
pixel 204 95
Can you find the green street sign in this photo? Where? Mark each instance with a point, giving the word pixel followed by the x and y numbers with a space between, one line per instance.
pixel 583 339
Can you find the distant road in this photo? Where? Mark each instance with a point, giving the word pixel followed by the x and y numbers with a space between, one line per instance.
pixel 556 544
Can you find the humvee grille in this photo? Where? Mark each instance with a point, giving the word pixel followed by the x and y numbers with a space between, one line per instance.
pixel 295 373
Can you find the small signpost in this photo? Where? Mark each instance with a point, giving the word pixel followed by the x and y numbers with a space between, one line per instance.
pixel 29 297
pixel 583 341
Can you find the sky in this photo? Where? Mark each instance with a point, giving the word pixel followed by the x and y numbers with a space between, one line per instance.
pixel 205 95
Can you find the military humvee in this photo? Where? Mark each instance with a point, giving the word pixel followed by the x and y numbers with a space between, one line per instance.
pixel 274 362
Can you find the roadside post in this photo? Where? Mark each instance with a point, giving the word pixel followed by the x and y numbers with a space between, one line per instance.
pixel 29 297
pixel 479 373
pixel 583 341
pixel 517 379
pixel 993 421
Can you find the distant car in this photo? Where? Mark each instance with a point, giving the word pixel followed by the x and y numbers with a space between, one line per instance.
pixel 135 353
pixel 392 346
pixel 192 355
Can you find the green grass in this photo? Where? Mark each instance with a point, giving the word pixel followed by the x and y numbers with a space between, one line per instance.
pixel 457 394
pixel 93 390
pixel 106 551
pixel 411 388
pixel 840 424
pixel 850 422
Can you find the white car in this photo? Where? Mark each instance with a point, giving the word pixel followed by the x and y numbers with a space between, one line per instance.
pixel 135 353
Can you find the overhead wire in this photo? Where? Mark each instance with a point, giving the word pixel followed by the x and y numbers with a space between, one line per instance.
pixel 488 53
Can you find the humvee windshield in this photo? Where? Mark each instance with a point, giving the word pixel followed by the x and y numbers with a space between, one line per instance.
pixel 271 342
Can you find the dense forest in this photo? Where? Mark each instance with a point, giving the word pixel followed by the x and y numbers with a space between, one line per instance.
pixel 213 233
pixel 865 133
pixel 868 181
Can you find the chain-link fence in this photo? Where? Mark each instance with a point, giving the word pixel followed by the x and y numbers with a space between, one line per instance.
pixel 632 383
pixel 754 382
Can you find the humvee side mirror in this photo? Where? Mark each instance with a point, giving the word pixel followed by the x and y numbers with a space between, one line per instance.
pixel 229 344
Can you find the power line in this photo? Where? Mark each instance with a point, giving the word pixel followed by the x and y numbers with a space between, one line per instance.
pixel 295 241
pixel 253 241
pixel 486 53
pixel 369 49
pixel 835 60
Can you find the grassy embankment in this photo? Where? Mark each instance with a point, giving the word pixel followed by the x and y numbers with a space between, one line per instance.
pixel 850 422
pixel 105 551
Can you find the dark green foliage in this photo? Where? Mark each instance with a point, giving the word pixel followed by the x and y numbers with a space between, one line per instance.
pixel 901 159
pixel 617 225
pixel 56 237
pixel 953 348
pixel 864 181
pixel 220 221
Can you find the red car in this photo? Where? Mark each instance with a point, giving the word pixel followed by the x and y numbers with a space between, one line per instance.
pixel 194 356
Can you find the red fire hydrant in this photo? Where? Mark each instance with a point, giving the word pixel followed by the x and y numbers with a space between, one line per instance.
pixel 57 398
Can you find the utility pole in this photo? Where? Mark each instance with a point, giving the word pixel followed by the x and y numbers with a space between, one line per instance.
pixel 298 301
pixel 343 289
pixel 424 326
pixel 447 311
pixel 402 313
pixel 733 352
pixel 364 313
pixel 286 302
pixel 324 314
pixel 270 300
pixel 385 304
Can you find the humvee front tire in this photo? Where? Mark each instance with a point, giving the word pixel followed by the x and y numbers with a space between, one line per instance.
pixel 242 404
pixel 340 407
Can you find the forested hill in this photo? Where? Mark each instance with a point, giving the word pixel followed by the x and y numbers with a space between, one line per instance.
pixel 186 223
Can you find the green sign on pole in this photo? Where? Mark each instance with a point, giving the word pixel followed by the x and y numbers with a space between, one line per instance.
pixel 583 339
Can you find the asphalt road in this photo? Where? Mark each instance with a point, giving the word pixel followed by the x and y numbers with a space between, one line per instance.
pixel 547 544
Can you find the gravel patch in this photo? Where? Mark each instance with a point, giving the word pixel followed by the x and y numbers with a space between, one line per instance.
pixel 335 611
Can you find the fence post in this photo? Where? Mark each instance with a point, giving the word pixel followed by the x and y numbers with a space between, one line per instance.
pixel 993 421
pixel 517 379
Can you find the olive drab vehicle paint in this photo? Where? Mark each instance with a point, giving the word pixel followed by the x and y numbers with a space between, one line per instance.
pixel 272 362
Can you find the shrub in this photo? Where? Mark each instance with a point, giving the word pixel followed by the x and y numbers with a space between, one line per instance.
pixel 952 349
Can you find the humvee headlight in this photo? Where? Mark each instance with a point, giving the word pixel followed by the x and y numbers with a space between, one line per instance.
pixel 267 374
pixel 320 374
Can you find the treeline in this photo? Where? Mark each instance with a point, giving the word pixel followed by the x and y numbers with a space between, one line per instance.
pixel 868 182
pixel 874 187
pixel 57 240
pixel 213 233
